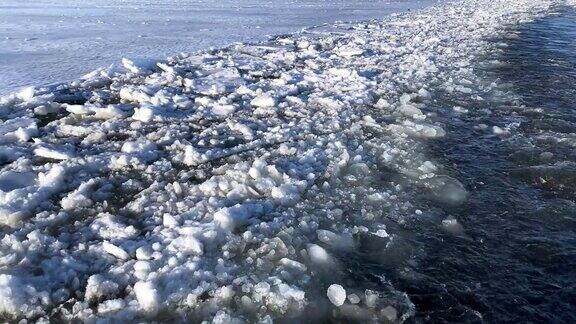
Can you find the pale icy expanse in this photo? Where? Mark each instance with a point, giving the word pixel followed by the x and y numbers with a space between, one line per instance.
pixel 49 41
pixel 239 184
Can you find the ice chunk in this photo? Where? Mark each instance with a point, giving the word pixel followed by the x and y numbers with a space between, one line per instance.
pixel 223 110
pixel 499 130
pixel 447 190
pixel 423 93
pixel 111 306
pixel 241 128
pixel 337 241
pixel 140 146
pixel 427 169
pixel 52 178
pixel 382 104
pixel 192 157
pixel 452 226
pixel 354 299
pixel 302 44
pixel 12 297
pixel 115 250
pixel 139 65
pixel 293 264
pixel 349 51
pixel 109 112
pixel 53 153
pixel 409 110
pixel 144 114
pixel 20 129
pixel 390 313
pixel 169 220
pixel 147 296
pixel 336 294
pixel 417 130
pixel 459 109
pixel 144 253
pixel 342 73
pixel 79 198
pixel 237 215
pixel 222 317
pixel 78 109
pixel 186 244
pixel 142 269
pixel 98 288
pixel 26 94
pixel 286 193
pixel 110 227
pixel 263 101
pixel 319 256
pixel 17 203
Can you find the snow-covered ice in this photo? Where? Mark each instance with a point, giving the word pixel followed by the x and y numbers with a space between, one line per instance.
pixel 226 185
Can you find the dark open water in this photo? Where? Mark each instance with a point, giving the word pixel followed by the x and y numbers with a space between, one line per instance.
pixel 516 258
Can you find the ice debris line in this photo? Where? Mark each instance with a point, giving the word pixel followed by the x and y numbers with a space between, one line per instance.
pixel 221 185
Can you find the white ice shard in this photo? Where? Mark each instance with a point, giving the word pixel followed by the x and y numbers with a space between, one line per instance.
pixel 336 294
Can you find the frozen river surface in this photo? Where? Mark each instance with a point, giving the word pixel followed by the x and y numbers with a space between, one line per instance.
pixel 47 41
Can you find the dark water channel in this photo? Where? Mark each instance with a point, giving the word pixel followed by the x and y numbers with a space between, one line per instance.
pixel 515 260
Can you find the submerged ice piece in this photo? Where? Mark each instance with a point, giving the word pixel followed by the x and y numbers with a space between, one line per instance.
pixel 446 190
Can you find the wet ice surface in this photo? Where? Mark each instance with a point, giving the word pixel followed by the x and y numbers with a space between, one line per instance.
pixel 359 172
pixel 46 41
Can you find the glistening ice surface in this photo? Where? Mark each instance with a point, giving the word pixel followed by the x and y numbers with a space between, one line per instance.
pixel 285 180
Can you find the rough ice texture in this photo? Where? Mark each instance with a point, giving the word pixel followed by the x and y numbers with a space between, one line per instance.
pixel 224 185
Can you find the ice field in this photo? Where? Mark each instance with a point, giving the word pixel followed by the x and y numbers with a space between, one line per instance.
pixel 308 177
